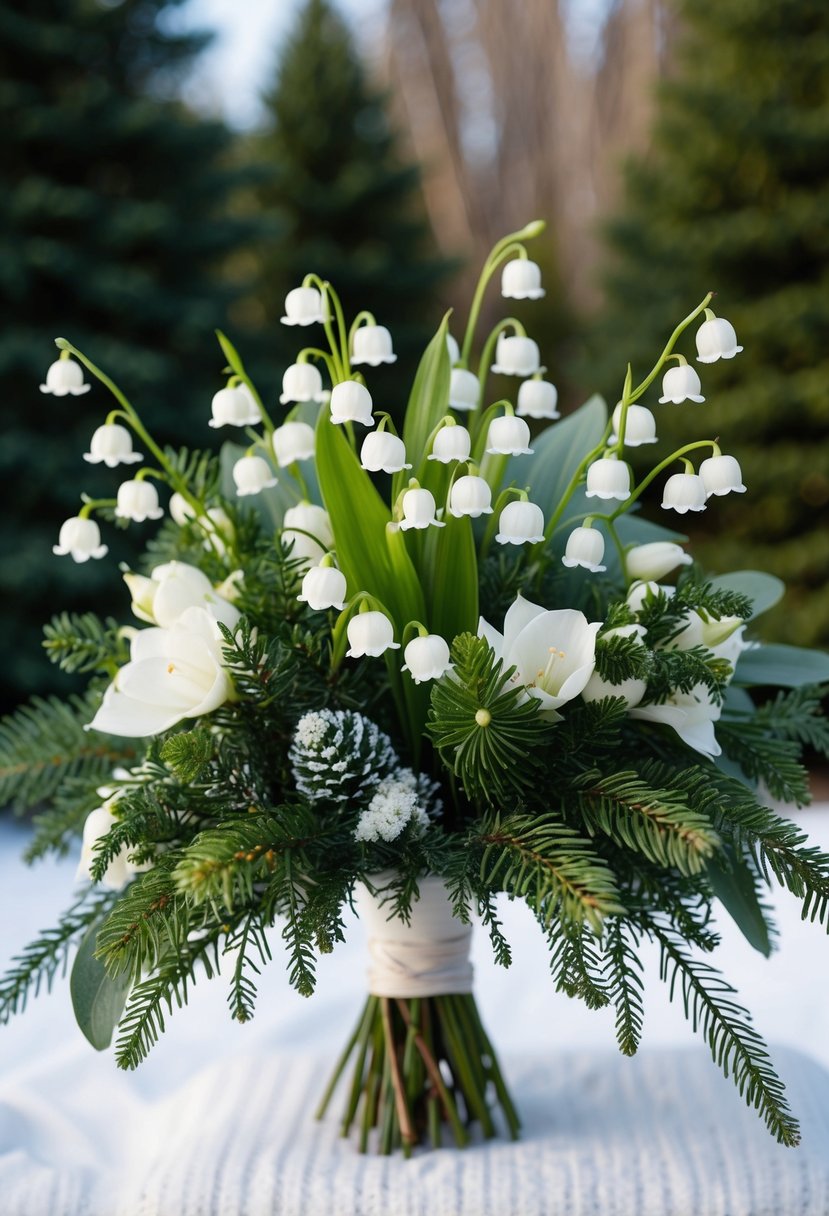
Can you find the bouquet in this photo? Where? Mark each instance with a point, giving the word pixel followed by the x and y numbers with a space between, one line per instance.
pixel 409 669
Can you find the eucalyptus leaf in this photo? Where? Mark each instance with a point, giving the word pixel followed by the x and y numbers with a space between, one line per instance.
pixel 97 999
pixel 789 666
pixel 764 590
pixel 734 888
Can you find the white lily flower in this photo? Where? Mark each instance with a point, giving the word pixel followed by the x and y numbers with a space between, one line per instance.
pixel 252 474
pixel 585 548
pixel 640 426
pixel 301 382
pixel 632 690
pixel 691 714
pixel 517 356
pixel 419 509
pixel 370 633
pixel 454 350
pixel 537 399
pixel 303 306
pixel 351 402
pixel 464 390
pixel 521 280
pixel 323 587
pixel 723 636
pixel 716 339
pixel 383 452
pixel 308 528
pixel 293 441
pixel 470 496
pixel 427 658
pixel 451 443
pixel 508 436
pixel 684 492
pixel 65 378
pixel 372 344
pixel 608 478
pixel 721 475
pixel 174 587
pixel 520 523
pixel 80 539
pixel 234 406
pixel 554 653
pixel 120 870
pixel 111 445
pixel 681 384
pixel 172 674
pixel 655 560
pixel 138 501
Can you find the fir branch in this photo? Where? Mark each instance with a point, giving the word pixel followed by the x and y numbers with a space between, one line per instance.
pixel 248 938
pixel 675 670
pixel 623 971
pixel 82 643
pixel 764 757
pixel 188 753
pixel 797 714
pixel 57 827
pixel 621 658
pixel 501 948
pixel 150 920
pixel 576 964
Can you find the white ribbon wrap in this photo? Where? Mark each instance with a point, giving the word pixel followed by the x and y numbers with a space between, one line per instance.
pixel 429 956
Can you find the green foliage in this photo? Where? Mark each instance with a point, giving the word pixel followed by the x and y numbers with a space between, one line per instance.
pixel 188 753
pixel 97 999
pixel 82 642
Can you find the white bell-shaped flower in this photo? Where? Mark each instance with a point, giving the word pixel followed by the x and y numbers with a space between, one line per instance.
pixel 427 658
pixel 351 402
pixel 537 399
pixel 681 384
pixel 111 445
pixel 716 339
pixel 684 492
pixel 303 306
pixel 383 452
pixel 517 356
pixel 219 530
pixel 585 548
pixel 520 523
pixel 464 389
pixel 252 474
pixel 521 280
pixel 370 633
pixel 323 587
pixel 180 510
pixel 301 382
pixel 293 441
pixel 372 344
pixel 454 350
pixel 138 501
pixel 608 478
pixel 79 539
pixel 419 508
pixel 470 496
pixel 654 560
pixel 640 426
pixel 65 378
pixel 308 528
pixel 451 443
pixel 721 475
pixel 508 436
pixel 234 406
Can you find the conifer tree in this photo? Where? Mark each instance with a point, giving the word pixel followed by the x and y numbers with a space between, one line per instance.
pixel 732 198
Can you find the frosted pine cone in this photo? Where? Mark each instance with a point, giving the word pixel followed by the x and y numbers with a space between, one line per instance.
pixel 340 756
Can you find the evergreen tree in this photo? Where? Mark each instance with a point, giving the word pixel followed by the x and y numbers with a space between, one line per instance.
pixel 732 198
pixel 349 202
pixel 115 203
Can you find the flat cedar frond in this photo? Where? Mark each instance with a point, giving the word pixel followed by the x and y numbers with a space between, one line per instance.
pixel 539 859
pixel 82 643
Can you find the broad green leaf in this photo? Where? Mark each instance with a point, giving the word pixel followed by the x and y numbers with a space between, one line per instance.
pixel 557 453
pixel 737 701
pixel 450 577
pixel 636 529
pixel 429 398
pixel 97 999
pixel 789 666
pixel 764 590
pixel 735 890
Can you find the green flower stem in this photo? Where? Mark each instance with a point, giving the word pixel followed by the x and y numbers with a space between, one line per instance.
pixel 95 504
pixel 481 423
pixel 313 352
pixel 487 353
pixel 646 481
pixel 362 1024
pixel 500 252
pixel 612 533
pixel 683 325
pixel 339 352
pixel 495 1071
pixel 492 469
pixel 492 523
pixel 366 316
pixel 299 477
pixel 574 483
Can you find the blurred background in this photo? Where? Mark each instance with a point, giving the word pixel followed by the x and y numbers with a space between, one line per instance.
pixel 172 166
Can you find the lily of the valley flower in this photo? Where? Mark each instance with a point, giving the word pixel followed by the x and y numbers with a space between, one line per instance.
pixel 172 588
pixel 138 501
pixel 427 658
pixel 234 406
pixel 655 560
pixel 516 356
pixel 520 523
pixel 508 436
pixel 419 509
pixel 252 474
pixel 585 548
pixel 120 870
pixel 684 492
pixel 721 475
pixel 372 344
pixel 716 339
pixel 464 389
pixel 303 306
pixel 691 714
pixel 293 441
pixel 554 653
pixel 80 539
pixel 301 382
pixel 680 384
pixel 521 280
pixel 608 478
pixel 537 399
pixel 111 445
pixel 383 452
pixel 370 633
pixel 180 510
pixel 172 674
pixel 308 528
pixel 640 426
pixel 323 587
pixel 454 350
pixel 470 495
pixel 451 443
pixel 351 402
pixel 65 378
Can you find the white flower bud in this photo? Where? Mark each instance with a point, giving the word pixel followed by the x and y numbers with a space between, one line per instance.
pixel 303 306
pixel 301 382
pixel 293 441
pixel 520 523
pixel 234 406
pixel 372 344
pixel 521 280
pixel 323 587
pixel 308 528
pixel 120 870
pixel 65 377
pixel 640 426
pixel 451 443
pixel 585 548
pixel 508 436
pixel 684 492
pixel 370 633
pixel 631 690
pixel 252 474
pixel 418 510
pixel 427 658
pixel 180 510
pixel 537 399
pixel 464 389
pixel 721 475
pixel 383 452
pixel 111 445
pixel 80 539
pixel 517 356
pixel 608 478
pixel 470 496
pixel 716 339
pixel 138 501
pixel 655 560
pixel 681 384
pixel 351 402
pixel 454 350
